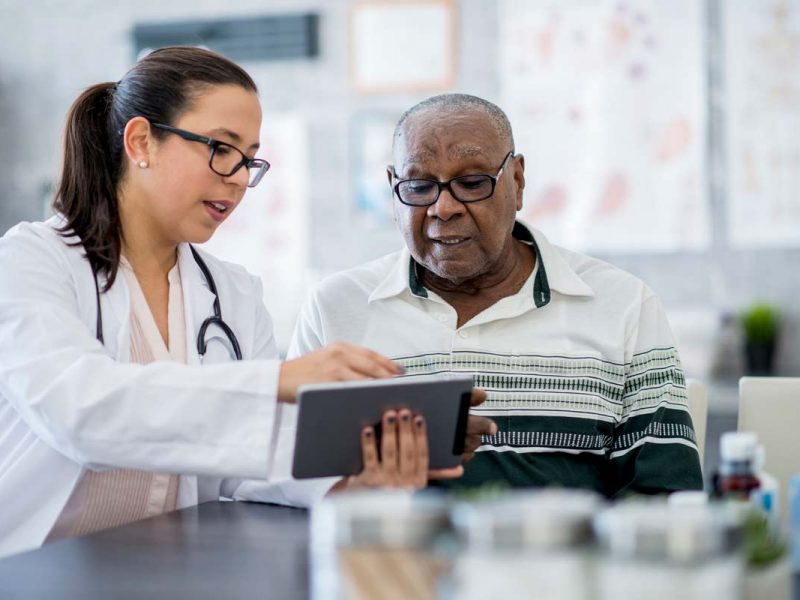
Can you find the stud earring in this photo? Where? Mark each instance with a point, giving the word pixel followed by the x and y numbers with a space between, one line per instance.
pixel 143 164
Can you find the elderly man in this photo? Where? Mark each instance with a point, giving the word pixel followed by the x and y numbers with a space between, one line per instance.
pixel 576 356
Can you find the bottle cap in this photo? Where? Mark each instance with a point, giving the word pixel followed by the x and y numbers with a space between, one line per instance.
pixel 738 446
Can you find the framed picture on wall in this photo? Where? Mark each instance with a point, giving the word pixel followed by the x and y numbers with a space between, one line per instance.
pixel 402 45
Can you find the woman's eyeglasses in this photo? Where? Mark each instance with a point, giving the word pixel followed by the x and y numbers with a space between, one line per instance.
pixel 225 159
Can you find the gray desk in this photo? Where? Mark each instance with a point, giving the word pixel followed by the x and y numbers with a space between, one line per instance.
pixel 220 550
pixel 226 550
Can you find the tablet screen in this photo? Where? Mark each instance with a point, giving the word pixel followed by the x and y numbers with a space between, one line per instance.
pixel 331 416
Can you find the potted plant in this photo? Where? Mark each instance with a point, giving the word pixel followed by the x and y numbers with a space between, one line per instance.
pixel 760 323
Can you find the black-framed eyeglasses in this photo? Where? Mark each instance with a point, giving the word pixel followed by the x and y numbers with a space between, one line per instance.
pixel 225 159
pixel 464 188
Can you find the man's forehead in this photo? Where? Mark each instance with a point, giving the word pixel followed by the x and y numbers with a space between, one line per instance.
pixel 435 135
pixel 452 152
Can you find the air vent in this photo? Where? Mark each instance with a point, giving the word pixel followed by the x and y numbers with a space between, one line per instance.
pixel 248 39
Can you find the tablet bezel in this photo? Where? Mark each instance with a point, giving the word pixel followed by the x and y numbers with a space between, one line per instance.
pixel 328 442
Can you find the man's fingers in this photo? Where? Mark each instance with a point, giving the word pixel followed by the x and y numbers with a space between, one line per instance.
pixel 472 443
pixel 478 397
pixel 480 426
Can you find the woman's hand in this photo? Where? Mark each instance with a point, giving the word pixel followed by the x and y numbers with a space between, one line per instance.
pixel 337 362
pixel 403 461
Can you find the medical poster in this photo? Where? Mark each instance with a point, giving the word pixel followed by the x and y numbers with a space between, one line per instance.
pixel 607 101
pixel 762 121
pixel 268 232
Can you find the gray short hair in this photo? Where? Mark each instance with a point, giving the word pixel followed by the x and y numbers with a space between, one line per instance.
pixel 456 103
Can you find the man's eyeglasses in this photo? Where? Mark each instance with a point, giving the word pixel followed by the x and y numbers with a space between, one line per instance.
pixel 464 188
pixel 225 159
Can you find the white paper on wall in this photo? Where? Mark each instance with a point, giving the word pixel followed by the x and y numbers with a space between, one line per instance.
pixel 762 133
pixel 608 105
pixel 402 46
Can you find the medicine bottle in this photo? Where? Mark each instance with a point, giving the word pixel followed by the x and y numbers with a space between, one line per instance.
pixel 736 478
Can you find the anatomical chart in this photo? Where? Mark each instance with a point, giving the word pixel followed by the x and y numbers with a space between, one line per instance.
pixel 608 105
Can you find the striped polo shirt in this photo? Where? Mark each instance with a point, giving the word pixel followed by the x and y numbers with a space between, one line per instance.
pixel 582 375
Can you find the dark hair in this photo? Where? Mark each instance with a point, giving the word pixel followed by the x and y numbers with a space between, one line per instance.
pixel 160 87
pixel 456 103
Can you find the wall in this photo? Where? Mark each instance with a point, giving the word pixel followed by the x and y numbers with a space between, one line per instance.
pixel 50 50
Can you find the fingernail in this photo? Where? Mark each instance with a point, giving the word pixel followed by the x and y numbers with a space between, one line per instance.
pixel 391 419
pixel 494 428
pixel 368 433
pixel 400 368
pixel 405 417
pixel 420 422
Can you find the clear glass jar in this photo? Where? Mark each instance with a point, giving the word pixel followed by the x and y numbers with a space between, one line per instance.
pixel 524 544
pixel 650 550
pixel 377 545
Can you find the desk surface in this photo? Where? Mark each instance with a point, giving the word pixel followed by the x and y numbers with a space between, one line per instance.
pixel 220 550
pixel 216 550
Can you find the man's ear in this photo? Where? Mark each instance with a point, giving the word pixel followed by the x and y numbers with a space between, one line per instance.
pixel 138 142
pixel 519 178
pixel 390 177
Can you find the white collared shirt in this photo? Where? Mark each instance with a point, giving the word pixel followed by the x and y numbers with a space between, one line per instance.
pixel 579 365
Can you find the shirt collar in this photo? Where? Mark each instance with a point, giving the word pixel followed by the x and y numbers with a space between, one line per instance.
pixel 558 274
pixel 553 272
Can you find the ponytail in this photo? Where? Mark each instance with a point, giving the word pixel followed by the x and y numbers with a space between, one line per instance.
pixel 87 191
pixel 159 88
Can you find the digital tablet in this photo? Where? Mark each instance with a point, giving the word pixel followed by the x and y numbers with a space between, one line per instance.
pixel 331 416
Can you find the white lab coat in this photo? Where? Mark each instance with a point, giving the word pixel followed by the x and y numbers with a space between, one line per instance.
pixel 68 403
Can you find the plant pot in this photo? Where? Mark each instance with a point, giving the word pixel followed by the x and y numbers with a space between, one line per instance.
pixel 760 357
pixel 773 582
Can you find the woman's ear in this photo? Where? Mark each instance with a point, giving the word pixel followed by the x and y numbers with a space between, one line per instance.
pixel 138 142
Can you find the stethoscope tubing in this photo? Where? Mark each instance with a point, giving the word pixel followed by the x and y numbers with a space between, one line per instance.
pixel 215 319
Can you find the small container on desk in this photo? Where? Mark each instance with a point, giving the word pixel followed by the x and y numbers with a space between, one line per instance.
pixel 651 550
pixel 377 545
pixel 524 544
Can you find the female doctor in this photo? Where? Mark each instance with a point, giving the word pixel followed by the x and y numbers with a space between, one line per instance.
pixel 139 374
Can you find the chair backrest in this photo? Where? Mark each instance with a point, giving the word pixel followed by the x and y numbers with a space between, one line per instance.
pixel 770 407
pixel 698 409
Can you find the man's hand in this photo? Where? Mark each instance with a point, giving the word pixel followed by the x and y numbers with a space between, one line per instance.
pixel 476 427
pixel 337 362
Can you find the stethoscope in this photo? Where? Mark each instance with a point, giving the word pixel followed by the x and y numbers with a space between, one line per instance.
pixel 215 319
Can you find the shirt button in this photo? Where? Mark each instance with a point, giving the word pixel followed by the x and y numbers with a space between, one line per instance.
pixel 463 334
